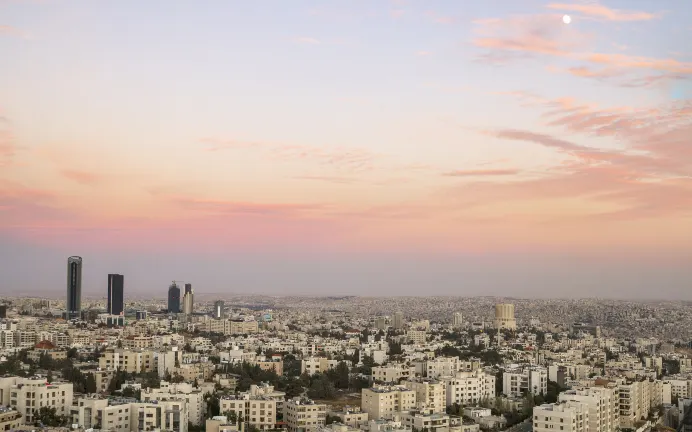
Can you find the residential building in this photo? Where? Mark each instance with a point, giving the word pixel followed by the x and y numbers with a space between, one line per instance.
pixel 304 415
pixel 386 402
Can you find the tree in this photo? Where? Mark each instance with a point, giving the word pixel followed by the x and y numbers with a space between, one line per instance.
pixel 291 365
pixel 213 406
pixel 48 416
pixel 340 376
pixel 395 348
pixel 90 384
pixel 321 388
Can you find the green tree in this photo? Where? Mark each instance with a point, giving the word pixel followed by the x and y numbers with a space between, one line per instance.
pixel 48 417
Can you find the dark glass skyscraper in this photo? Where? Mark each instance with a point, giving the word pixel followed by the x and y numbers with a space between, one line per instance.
pixel 116 296
pixel 173 298
pixel 188 288
pixel 73 306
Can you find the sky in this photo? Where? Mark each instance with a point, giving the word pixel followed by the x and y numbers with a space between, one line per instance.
pixel 379 147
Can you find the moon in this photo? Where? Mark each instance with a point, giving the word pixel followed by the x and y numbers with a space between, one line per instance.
pixel 566 19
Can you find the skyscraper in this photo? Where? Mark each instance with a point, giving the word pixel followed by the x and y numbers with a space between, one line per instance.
pixel 73 306
pixel 218 309
pixel 398 321
pixel 458 320
pixel 116 297
pixel 504 316
pixel 173 298
pixel 188 300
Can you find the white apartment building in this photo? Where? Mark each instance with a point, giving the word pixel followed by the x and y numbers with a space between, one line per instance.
pixel 529 379
pixel 681 388
pixel 313 365
pixel 442 367
pixel 392 373
pixel 635 402
pixel 304 415
pixel 602 404
pixel 429 394
pixel 194 397
pixel 27 395
pixel 168 360
pixel 469 388
pixel 351 416
pixel 426 420
pixel 169 415
pixel 417 337
pixel 127 360
pixel 257 411
pixel 385 402
pixel 561 417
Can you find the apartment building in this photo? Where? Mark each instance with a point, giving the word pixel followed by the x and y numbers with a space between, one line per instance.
pixel 351 416
pixel 442 366
pixel 236 327
pixel 131 361
pixel 166 414
pixel 561 417
pixel 469 388
pixel 168 360
pixel 528 379
pixel 429 394
pixel 426 420
pixel 417 337
pixel 382 402
pixel 635 402
pixel 313 365
pixel 602 403
pixel 266 391
pixel 193 396
pixel 27 395
pixel 257 411
pixel 87 412
pixel 681 388
pixel 304 415
pixel 392 373
pixel 10 419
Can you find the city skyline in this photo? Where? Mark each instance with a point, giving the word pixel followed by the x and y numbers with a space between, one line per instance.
pixel 397 147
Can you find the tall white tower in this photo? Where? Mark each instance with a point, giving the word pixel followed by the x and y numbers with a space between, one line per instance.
pixel 504 316
pixel 458 319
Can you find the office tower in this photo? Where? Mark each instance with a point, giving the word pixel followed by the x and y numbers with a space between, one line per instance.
pixel 381 323
pixel 73 306
pixel 188 300
pixel 504 317
pixel 458 320
pixel 173 298
pixel 116 297
pixel 3 311
pixel 141 315
pixel 398 321
pixel 218 309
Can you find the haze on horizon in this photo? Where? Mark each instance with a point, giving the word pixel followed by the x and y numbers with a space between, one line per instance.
pixel 355 147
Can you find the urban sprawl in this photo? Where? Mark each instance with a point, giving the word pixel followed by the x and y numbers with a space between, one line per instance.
pixel 248 363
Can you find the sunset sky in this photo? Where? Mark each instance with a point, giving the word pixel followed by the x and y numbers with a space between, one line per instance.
pixel 366 147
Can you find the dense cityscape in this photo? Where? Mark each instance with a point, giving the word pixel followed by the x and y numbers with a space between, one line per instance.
pixel 340 364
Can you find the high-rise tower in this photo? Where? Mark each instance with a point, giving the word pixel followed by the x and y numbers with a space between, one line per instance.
pixel 73 306
pixel 188 299
pixel 218 309
pixel 173 298
pixel 116 296
pixel 504 316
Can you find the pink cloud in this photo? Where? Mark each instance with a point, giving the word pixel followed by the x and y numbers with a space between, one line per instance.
pixel 536 36
pixel 481 173
pixel 339 158
pixel 82 177
pixel 596 10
